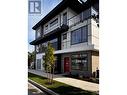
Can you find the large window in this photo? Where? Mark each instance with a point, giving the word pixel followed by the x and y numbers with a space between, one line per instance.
pixel 79 62
pixel 54 22
pixel 54 44
pixel 79 35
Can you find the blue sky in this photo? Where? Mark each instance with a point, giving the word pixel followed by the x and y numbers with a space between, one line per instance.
pixel 46 7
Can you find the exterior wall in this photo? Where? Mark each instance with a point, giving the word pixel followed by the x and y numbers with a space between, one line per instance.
pixel 39 56
pixel 84 73
pixel 38 32
pixel 95 61
pixel 53 27
pixel 70 14
pixel 60 21
pixel 84 23
pixel 67 42
pixel 87 73
pixel 62 61
pixel 95 33
pixel 93 40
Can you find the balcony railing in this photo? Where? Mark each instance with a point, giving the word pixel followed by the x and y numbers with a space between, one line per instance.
pixel 79 18
pixel 71 21
pixel 42 48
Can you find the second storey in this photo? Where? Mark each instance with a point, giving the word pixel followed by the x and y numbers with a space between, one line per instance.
pixel 69 29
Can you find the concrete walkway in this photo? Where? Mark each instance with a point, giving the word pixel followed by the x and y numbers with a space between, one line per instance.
pixel 70 81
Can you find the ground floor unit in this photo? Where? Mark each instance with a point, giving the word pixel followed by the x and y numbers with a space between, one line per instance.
pixel 84 63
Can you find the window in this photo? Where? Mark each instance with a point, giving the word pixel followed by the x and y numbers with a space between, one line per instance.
pixel 64 36
pixel 54 22
pixel 65 18
pixel 46 27
pixel 54 44
pixel 79 35
pixel 84 34
pixel 79 62
pixel 38 64
pixel 86 14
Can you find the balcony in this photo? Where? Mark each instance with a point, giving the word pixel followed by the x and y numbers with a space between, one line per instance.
pixel 56 30
pixel 51 35
pixel 42 48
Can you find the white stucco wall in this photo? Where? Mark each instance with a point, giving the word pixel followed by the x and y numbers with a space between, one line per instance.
pixel 39 56
pixel 70 14
pixel 60 20
pixel 95 33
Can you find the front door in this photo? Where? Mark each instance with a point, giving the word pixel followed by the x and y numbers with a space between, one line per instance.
pixel 66 64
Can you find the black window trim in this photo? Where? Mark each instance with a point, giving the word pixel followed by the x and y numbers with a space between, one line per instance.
pixel 63 36
pixel 81 33
pixel 81 54
pixel 56 19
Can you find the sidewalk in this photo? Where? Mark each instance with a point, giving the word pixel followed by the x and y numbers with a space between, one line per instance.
pixel 70 81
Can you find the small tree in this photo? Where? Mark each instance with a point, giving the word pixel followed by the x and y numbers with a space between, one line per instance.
pixel 49 62
pixel 31 58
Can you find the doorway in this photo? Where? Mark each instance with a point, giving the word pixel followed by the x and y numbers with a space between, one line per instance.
pixel 66 64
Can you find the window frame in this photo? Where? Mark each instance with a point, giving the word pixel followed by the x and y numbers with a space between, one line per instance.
pixel 63 36
pixel 77 63
pixel 76 36
pixel 54 22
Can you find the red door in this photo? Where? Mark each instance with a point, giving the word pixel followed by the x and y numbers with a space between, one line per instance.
pixel 66 64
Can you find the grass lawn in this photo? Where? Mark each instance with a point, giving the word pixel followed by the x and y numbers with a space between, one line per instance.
pixel 58 87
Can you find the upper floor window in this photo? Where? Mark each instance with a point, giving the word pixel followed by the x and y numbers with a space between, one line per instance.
pixel 46 27
pixel 79 35
pixel 54 43
pixel 65 18
pixel 64 36
pixel 54 22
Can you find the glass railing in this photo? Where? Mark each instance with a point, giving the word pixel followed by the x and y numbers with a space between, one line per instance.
pixel 81 17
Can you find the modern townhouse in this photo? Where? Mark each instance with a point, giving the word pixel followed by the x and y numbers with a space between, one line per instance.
pixel 72 28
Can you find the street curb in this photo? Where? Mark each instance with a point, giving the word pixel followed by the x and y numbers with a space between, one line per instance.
pixel 42 88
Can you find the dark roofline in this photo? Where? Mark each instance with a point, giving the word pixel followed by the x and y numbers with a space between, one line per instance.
pixel 54 34
pixel 74 4
pixel 51 13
